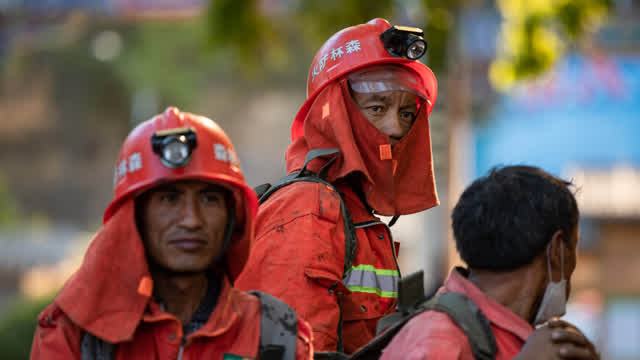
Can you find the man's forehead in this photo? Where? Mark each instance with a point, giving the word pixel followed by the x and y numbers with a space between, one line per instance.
pixel 406 98
pixel 385 77
pixel 190 184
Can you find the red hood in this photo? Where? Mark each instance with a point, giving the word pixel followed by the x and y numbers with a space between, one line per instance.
pixel 108 294
pixel 395 182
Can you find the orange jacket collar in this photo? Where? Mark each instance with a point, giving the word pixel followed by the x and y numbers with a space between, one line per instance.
pixel 496 313
pixel 224 316
pixel 109 293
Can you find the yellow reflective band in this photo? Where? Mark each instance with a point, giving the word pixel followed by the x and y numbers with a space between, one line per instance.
pixel 372 268
pixel 369 290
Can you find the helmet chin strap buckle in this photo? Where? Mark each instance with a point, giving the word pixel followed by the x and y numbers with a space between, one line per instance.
pixel 174 146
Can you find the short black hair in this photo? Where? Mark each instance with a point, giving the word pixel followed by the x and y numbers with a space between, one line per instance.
pixel 503 220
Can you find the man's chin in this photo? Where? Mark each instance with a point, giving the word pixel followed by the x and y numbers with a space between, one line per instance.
pixel 188 269
pixel 184 269
pixel 180 265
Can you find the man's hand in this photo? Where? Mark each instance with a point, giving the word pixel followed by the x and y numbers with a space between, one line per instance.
pixel 558 340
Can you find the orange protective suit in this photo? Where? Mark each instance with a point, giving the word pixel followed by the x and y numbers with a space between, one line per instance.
pixel 299 251
pixel 110 295
pixel 434 335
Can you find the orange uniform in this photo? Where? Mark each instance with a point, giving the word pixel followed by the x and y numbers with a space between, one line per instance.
pixel 434 335
pixel 110 296
pixel 299 253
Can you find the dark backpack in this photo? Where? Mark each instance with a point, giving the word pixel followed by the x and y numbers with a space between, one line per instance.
pixel 278 333
pixel 412 302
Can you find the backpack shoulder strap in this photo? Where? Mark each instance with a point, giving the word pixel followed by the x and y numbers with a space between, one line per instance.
pixel 264 191
pixel 278 328
pixel 330 355
pixel 410 297
pixel 468 316
pixel 462 310
pixel 411 302
pixel 94 348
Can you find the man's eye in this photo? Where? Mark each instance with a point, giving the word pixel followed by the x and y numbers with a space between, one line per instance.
pixel 212 198
pixel 407 116
pixel 169 197
pixel 375 108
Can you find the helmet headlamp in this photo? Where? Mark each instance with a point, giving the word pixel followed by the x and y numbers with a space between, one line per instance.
pixel 404 41
pixel 174 146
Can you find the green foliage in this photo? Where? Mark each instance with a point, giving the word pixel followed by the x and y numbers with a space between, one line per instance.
pixel 237 26
pixel 440 26
pixel 274 41
pixel 17 326
pixel 318 19
pixel 169 58
pixel 535 33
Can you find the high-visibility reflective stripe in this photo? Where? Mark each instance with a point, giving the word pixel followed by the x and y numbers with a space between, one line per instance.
pixel 380 293
pixel 366 278
pixel 377 271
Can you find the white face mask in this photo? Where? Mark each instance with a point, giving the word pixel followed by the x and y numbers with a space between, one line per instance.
pixel 554 300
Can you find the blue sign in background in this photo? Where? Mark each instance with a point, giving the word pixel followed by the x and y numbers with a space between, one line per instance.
pixel 584 113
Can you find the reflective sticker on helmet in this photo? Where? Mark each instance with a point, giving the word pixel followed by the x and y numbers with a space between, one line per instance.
pixel 221 152
pixel 336 54
pixel 135 162
pixel 132 164
pixel 353 46
pixel 122 168
pixel 320 65
pixel 224 154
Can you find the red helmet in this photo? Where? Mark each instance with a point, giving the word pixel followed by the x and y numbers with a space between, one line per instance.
pixel 174 146
pixel 353 48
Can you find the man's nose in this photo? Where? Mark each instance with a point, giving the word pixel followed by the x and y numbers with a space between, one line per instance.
pixel 393 127
pixel 191 213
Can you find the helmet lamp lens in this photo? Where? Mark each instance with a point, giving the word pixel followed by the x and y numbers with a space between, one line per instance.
pixel 174 146
pixel 416 49
pixel 176 152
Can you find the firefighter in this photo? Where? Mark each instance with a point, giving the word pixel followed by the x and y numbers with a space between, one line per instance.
pixel 517 230
pixel 361 139
pixel 158 278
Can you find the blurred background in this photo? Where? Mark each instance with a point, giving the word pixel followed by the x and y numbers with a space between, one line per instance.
pixel 552 83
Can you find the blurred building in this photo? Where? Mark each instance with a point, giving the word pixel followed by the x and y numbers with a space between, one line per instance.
pixel 36 262
pixel 581 121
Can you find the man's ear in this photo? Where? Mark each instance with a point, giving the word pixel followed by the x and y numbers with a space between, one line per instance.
pixel 558 255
